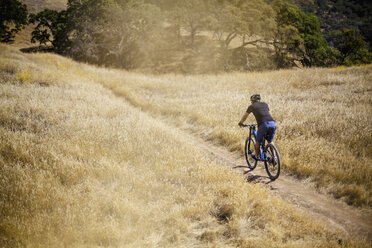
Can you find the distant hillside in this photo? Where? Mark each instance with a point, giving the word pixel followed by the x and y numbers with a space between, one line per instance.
pixel 34 6
pixel 338 14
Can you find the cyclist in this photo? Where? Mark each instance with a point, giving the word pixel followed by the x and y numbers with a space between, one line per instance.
pixel 265 122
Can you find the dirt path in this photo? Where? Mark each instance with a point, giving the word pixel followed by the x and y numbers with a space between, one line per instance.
pixel 334 213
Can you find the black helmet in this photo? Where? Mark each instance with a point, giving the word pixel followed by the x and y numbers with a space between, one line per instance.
pixel 255 97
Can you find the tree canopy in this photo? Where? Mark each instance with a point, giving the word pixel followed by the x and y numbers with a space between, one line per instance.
pixel 352 47
pixel 193 36
pixel 298 37
pixel 13 17
pixel 51 27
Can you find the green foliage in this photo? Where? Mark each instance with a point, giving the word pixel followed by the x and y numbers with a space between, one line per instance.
pixel 351 42
pixel 51 27
pixel 362 56
pixel 13 17
pixel 288 42
pixel 351 14
pixel 327 56
pixel 352 47
pixel 250 21
pixel 191 36
pixel 336 15
pixel 108 32
pixel 299 37
pixel 230 19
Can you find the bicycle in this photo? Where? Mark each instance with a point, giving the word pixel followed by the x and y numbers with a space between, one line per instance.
pixel 268 154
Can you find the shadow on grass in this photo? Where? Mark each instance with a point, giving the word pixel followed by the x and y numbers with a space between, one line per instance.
pixel 252 178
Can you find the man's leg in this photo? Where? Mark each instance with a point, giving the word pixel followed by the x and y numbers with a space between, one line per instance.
pixel 257 149
pixel 270 138
pixel 261 131
pixel 270 132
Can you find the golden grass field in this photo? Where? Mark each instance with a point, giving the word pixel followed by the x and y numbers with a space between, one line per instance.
pixel 81 166
pixel 324 117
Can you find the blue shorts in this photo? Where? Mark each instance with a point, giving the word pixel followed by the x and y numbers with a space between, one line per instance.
pixel 266 130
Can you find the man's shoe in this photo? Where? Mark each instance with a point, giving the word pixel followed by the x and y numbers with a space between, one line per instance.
pixel 255 157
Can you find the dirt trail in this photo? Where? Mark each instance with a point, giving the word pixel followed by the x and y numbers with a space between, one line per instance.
pixel 336 214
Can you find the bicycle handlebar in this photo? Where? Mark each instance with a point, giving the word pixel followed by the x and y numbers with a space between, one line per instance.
pixel 248 125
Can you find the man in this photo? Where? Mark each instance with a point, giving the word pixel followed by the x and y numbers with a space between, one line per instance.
pixel 265 122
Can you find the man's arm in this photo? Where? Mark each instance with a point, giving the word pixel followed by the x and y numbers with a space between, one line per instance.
pixel 244 117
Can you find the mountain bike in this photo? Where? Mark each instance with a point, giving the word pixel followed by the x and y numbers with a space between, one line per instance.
pixel 268 153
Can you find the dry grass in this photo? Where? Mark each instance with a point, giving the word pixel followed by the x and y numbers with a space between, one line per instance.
pixel 324 118
pixel 82 167
pixel 34 6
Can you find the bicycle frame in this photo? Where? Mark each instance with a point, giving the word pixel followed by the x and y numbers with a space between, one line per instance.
pixel 252 130
pixel 268 153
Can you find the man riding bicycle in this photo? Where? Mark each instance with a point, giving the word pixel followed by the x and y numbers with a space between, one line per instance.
pixel 265 122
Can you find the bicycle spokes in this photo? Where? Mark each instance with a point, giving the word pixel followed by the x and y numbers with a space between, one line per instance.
pixel 249 151
pixel 272 163
pixel 271 157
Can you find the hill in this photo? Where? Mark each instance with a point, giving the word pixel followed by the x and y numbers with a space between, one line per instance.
pixel 323 118
pixel 34 6
pixel 167 43
pixel 81 166
pixel 338 14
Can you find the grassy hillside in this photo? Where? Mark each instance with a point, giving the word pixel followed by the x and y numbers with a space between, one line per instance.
pixel 34 6
pixel 324 117
pixel 80 166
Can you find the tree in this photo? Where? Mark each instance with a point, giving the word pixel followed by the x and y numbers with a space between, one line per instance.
pixel 51 28
pixel 351 14
pixel 298 37
pixel 13 17
pixel 112 32
pixel 352 47
pixel 288 44
pixel 189 16
pixel 242 19
pixel 250 21
pixel 108 32
pixel 327 56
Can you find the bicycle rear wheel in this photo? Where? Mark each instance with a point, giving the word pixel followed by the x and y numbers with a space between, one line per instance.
pixel 272 161
pixel 249 149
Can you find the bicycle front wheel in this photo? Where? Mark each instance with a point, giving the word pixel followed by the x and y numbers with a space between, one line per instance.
pixel 272 161
pixel 249 150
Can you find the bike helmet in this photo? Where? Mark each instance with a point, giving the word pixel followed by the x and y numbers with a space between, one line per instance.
pixel 255 97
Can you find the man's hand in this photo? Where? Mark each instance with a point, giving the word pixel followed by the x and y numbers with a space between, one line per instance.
pixel 244 117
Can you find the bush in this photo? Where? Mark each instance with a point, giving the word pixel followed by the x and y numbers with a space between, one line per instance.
pixel 362 56
pixel 327 56
pixel 352 47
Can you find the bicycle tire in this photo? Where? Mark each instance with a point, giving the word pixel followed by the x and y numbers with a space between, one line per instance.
pixel 272 161
pixel 248 150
